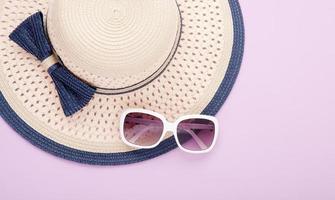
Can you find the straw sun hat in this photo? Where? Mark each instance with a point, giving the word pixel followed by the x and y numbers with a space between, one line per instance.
pixel 175 57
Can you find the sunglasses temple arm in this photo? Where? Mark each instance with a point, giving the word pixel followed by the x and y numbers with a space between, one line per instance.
pixel 196 126
pixel 194 136
pixel 138 135
pixel 197 139
pixel 184 125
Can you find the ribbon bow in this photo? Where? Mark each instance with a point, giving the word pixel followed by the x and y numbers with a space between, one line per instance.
pixel 74 94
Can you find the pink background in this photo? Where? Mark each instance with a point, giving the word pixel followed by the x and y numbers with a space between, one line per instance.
pixel 278 138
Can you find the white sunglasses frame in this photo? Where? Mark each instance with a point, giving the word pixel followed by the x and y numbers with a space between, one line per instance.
pixel 169 127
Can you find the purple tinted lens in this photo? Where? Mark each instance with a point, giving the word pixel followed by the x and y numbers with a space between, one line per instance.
pixel 142 129
pixel 196 134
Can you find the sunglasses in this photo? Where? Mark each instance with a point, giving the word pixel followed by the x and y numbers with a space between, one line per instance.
pixel 145 129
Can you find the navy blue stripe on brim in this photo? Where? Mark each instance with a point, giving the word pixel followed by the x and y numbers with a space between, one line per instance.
pixel 68 153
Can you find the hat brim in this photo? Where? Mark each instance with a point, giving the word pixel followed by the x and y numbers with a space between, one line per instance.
pixel 46 144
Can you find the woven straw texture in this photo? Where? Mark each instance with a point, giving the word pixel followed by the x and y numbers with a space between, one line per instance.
pixel 116 43
pixel 191 83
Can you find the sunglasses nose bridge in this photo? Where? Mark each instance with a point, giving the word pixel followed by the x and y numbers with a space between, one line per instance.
pixel 169 127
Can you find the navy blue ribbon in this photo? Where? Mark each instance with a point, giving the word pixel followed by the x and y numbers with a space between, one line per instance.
pixel 74 94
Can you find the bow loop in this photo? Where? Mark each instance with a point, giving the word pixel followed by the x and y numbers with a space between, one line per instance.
pixel 74 94
pixel 31 37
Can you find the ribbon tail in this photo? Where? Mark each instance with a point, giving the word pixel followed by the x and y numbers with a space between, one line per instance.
pixel 74 94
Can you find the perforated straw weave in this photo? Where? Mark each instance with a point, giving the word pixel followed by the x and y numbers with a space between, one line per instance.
pixel 198 79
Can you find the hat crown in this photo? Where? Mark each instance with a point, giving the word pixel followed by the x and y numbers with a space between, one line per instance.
pixel 114 44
